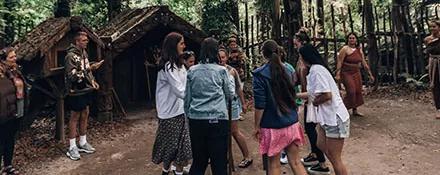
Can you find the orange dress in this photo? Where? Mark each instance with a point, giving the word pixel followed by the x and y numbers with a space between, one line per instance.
pixel 352 80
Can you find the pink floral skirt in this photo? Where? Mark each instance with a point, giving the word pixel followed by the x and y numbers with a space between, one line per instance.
pixel 273 141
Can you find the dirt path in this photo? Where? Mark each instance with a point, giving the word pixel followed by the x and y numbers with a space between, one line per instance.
pixel 395 137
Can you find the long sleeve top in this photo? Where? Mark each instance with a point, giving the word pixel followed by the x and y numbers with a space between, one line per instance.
pixel 170 91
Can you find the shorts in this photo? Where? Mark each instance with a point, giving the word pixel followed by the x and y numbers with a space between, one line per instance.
pixel 78 103
pixel 341 130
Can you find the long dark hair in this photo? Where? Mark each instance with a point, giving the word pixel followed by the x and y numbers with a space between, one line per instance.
pixel 209 51
pixel 348 36
pixel 311 56
pixel 169 51
pixel 5 52
pixel 282 86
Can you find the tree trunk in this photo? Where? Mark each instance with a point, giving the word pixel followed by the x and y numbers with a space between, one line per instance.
pixel 9 20
pixel 62 8
pixel 276 25
pixel 372 44
pixel 114 7
pixel 402 29
pixel 235 14
pixel 294 20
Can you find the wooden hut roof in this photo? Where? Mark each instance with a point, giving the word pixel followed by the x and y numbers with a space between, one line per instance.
pixel 44 36
pixel 130 25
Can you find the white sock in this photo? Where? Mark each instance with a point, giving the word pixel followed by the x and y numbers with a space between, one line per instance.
pixel 178 173
pixel 164 170
pixel 72 143
pixel 82 140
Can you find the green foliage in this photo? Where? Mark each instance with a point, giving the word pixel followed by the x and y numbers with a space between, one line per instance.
pixel 93 13
pixel 217 19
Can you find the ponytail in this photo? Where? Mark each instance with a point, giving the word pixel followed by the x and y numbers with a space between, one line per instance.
pixel 281 83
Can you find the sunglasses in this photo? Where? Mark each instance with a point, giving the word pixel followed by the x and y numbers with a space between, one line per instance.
pixel 188 52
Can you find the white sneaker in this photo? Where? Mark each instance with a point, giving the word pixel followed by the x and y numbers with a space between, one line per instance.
pixel 185 168
pixel 73 153
pixel 283 158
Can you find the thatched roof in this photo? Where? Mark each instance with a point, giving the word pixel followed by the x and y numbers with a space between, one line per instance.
pixel 130 25
pixel 47 34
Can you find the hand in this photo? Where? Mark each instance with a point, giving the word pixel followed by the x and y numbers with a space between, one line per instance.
pixel 257 134
pixel 95 85
pixel 97 65
pixel 243 108
pixel 338 78
pixel 372 78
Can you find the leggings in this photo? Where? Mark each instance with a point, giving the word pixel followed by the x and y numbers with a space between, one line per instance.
pixel 313 137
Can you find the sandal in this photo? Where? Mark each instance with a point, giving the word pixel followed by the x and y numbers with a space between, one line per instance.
pixel 10 170
pixel 245 163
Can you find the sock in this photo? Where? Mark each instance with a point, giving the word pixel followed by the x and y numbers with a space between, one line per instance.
pixel 82 140
pixel 72 143
pixel 178 173
pixel 164 170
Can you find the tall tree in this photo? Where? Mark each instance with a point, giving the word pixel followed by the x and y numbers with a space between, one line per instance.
pixel 373 54
pixel 9 18
pixel 62 8
pixel 114 7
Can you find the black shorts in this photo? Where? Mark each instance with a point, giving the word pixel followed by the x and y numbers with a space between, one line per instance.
pixel 78 103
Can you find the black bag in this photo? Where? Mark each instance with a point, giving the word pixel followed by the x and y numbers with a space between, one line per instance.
pixel 8 100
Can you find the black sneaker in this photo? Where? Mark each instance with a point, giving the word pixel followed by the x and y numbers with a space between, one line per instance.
pixel 318 170
pixel 310 160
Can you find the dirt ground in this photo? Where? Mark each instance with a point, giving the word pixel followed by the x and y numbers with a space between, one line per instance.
pixel 397 136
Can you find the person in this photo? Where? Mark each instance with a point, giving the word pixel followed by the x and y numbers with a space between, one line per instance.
pixel 433 49
pixel 315 160
pixel 348 72
pixel 208 89
pixel 276 119
pixel 172 143
pixel 80 83
pixel 15 82
pixel 298 102
pixel 189 59
pixel 237 108
pixel 325 107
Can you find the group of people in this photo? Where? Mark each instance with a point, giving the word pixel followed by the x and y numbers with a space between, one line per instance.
pixel 193 108
pixel 196 101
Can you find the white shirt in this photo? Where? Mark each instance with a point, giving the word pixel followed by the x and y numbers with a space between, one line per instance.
pixel 170 91
pixel 319 80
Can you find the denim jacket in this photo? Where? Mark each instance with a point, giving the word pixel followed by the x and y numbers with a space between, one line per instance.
pixel 207 90
pixel 264 100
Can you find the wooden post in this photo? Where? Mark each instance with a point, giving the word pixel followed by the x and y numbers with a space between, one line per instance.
pixel 395 43
pixel 350 19
pixel 252 42
pixel 379 54
pixel 60 135
pixel 241 34
pixel 344 26
pixel 257 29
pixel 416 62
pixel 372 44
pixel 335 43
pixel 436 12
pixel 246 23
pixel 363 28
pixel 276 25
pixel 386 42
pixel 321 21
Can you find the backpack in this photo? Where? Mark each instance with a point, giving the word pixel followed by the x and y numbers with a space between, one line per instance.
pixel 8 100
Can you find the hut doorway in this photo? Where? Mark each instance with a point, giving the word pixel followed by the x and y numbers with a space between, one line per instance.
pixel 135 69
